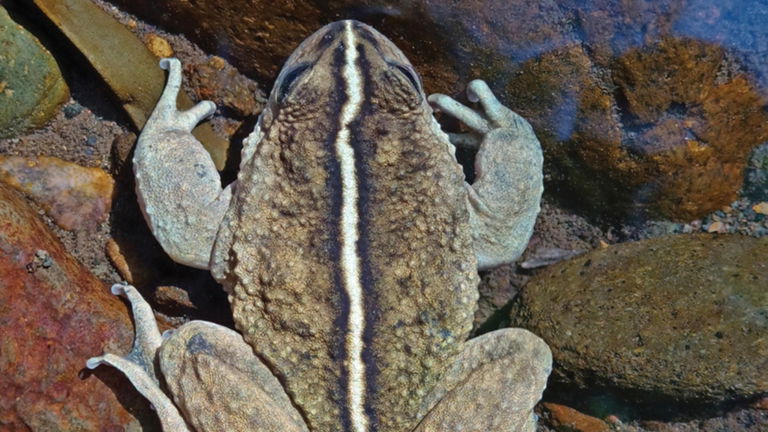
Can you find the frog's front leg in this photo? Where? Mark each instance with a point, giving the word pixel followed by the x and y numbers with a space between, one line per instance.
pixel 492 386
pixel 504 198
pixel 177 184
pixel 216 382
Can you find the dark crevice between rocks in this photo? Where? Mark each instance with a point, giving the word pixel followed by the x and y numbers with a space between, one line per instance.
pixel 636 405
pixel 631 124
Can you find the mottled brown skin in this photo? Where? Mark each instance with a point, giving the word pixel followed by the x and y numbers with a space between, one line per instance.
pixel 417 258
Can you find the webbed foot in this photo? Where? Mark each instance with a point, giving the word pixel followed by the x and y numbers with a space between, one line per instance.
pixel 504 199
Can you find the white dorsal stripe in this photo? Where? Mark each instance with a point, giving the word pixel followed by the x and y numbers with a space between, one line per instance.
pixel 350 261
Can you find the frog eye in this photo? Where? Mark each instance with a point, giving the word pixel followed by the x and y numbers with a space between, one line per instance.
pixel 288 79
pixel 410 74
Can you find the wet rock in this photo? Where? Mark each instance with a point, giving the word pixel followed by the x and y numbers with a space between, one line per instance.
pixel 681 317
pixel 566 419
pixel 76 197
pixel 31 85
pixel 55 315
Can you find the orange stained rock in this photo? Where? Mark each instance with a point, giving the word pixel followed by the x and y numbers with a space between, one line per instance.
pixel 761 208
pixel 564 418
pixel 159 46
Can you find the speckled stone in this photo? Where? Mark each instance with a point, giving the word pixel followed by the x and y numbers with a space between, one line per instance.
pixel 54 314
pixel 684 317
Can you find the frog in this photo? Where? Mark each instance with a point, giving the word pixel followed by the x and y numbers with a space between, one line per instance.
pixel 349 246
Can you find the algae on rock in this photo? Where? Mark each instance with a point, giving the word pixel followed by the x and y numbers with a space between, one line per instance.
pixel 31 85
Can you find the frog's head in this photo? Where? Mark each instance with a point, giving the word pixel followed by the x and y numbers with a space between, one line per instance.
pixel 342 62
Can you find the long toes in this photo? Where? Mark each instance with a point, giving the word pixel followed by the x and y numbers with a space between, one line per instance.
pixel 462 113
pixel 478 91
pixel 465 140
pixel 187 120
pixel 170 418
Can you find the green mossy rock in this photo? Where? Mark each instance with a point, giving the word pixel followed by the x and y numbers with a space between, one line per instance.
pixel 31 85
pixel 679 317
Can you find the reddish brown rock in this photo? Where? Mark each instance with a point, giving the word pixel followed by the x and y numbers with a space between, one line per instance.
pixel 566 419
pixel 76 197
pixel 217 81
pixel 54 315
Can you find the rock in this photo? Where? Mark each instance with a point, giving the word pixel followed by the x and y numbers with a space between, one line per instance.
pixel 55 315
pixel 715 227
pixel 761 208
pixel 217 81
pixel 681 317
pixel 31 85
pixel 565 419
pixel 159 46
pixel 76 197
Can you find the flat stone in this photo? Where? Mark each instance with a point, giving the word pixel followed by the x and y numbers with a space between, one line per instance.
pixel 76 197
pixel 31 85
pixel 54 315
pixel 681 317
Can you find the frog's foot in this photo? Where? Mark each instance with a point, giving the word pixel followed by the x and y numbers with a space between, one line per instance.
pixel 138 365
pixel 493 385
pixel 177 183
pixel 504 199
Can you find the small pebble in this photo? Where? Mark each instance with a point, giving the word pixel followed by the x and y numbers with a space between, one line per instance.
pixel 72 110
pixel 715 227
pixel 117 258
pixel 217 62
pixel 159 46
pixel 761 208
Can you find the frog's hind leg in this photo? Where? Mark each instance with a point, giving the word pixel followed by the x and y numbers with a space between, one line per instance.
pixel 220 385
pixel 504 198
pixel 177 184
pixel 492 385
pixel 138 365
pixel 217 382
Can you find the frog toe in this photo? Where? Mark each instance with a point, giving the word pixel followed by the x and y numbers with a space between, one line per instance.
pixel 166 116
pixel 138 365
pixel 493 385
